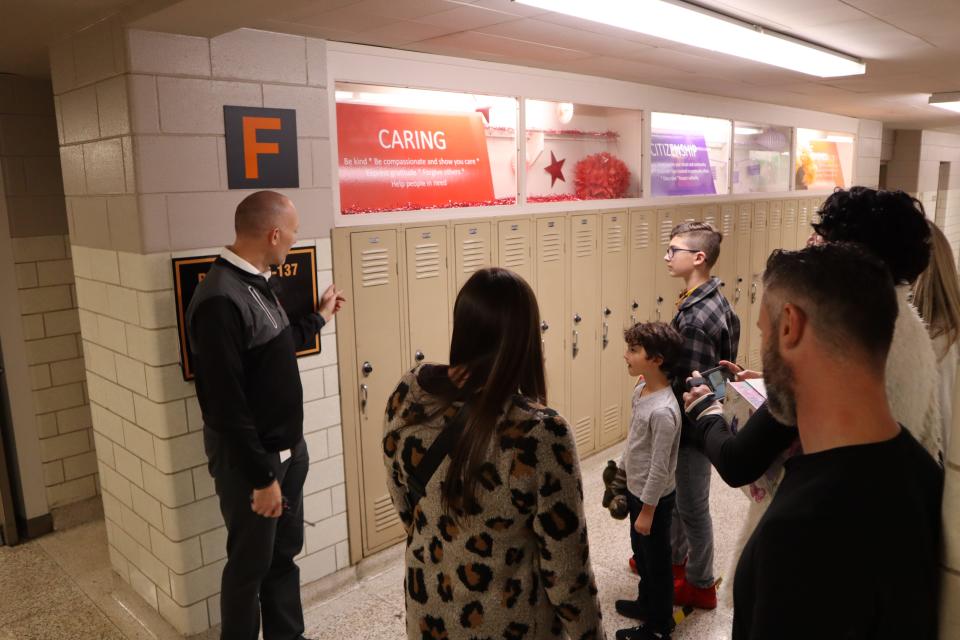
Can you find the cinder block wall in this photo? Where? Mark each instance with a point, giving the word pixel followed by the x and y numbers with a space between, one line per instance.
pixel 45 291
pixel 142 147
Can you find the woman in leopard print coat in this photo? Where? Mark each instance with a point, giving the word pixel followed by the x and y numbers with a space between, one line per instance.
pixel 497 547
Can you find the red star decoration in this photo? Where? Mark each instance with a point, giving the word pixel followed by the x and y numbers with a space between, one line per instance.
pixel 555 169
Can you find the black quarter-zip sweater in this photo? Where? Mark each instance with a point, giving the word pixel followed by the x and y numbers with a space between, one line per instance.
pixel 248 383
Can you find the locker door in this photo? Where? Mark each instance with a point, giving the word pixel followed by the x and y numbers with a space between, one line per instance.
pixel 689 214
pixel 643 262
pixel 741 292
pixel 551 295
pixel 613 320
pixel 376 300
pixel 726 267
pixel 513 251
pixel 789 225
pixel 803 222
pixel 472 242
pixel 666 287
pixel 758 260
pixel 774 226
pixel 584 328
pixel 428 293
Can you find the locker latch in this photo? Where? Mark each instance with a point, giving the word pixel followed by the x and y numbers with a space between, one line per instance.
pixel 418 356
pixel 367 369
pixel 544 326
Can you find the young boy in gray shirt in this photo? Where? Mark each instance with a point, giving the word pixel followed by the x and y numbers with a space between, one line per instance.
pixel 650 461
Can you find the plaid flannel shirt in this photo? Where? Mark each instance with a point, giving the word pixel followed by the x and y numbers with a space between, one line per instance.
pixel 711 332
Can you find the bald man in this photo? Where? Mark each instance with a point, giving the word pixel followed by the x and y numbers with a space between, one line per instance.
pixel 248 384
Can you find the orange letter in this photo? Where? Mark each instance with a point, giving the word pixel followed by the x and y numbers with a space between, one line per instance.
pixel 252 148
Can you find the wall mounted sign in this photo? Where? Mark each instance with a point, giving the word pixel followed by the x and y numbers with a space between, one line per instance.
pixel 261 148
pixel 393 158
pixel 680 165
pixel 297 293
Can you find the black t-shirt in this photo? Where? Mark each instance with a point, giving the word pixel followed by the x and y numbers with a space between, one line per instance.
pixel 848 549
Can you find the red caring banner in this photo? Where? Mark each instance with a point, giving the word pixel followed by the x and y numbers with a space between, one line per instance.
pixel 401 159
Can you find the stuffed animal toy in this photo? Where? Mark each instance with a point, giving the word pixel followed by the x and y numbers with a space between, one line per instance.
pixel 615 492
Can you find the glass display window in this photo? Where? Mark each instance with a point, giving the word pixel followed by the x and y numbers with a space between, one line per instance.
pixel 761 158
pixel 401 149
pixel 824 159
pixel 581 152
pixel 689 155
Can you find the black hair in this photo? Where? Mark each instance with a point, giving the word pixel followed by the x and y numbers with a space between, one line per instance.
pixel 496 339
pixel 657 339
pixel 891 224
pixel 846 292
pixel 704 237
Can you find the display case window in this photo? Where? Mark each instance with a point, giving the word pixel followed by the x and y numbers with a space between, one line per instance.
pixel 402 149
pixel 689 155
pixel 824 159
pixel 761 158
pixel 581 152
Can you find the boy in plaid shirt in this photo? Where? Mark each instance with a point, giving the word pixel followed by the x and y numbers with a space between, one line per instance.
pixel 711 332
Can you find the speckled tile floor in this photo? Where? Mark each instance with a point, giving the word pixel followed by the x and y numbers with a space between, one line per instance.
pixel 49 590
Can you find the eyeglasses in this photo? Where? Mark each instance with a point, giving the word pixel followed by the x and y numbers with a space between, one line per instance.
pixel 672 250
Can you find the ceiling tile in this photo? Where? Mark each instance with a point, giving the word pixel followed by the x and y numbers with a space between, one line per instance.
pixel 467 17
pixel 533 30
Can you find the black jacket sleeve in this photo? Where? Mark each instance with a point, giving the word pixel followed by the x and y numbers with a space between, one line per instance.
pixel 742 458
pixel 305 330
pixel 219 332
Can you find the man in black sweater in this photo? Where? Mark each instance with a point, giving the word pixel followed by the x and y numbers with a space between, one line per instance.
pixel 248 385
pixel 850 545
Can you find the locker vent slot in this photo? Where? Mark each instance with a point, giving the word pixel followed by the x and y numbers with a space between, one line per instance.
pixel 583 432
pixel 790 217
pixel 727 225
pixel 666 226
pixel 384 515
pixel 641 234
pixel 760 221
pixel 427 260
pixel 775 220
pixel 584 243
pixel 710 219
pixel 743 225
pixel 615 238
pixel 611 419
pixel 551 247
pixel 474 254
pixel 515 251
pixel 374 267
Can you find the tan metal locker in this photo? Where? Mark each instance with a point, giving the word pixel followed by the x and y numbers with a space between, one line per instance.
pixel 552 295
pixel 428 295
pixel 472 249
pixel 789 232
pixel 376 302
pixel 644 261
pixel 774 226
pixel 584 329
pixel 613 320
pixel 758 260
pixel 741 292
pixel 726 267
pixel 803 222
pixel 513 248
pixel 689 214
pixel 666 287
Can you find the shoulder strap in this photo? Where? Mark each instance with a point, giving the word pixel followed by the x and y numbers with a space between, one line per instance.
pixel 418 480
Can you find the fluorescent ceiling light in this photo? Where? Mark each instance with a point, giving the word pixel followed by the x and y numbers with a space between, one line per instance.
pixel 704 29
pixel 845 139
pixel 949 101
pixel 746 131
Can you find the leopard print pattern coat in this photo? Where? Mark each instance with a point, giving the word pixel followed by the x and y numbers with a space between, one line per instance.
pixel 519 569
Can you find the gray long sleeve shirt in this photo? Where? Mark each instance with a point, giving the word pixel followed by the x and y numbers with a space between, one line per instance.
pixel 650 455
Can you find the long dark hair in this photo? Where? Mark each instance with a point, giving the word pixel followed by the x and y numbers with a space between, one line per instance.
pixel 496 340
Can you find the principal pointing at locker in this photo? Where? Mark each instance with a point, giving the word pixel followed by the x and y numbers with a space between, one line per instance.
pixel 249 389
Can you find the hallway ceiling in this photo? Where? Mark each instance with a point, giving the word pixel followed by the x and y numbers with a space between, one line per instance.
pixel 911 47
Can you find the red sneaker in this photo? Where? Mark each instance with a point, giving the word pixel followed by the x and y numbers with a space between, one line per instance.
pixel 633 565
pixel 688 595
pixel 679 572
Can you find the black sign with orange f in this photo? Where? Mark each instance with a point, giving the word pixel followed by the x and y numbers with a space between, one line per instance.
pixel 261 148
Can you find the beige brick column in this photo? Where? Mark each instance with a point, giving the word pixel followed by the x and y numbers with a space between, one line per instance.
pixel 149 128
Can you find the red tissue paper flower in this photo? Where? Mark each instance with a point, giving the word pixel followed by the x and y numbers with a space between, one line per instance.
pixel 600 176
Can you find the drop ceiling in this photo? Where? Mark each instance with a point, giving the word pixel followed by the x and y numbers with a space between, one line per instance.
pixel 911 47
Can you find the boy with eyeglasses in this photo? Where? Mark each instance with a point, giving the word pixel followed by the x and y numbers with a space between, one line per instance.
pixel 711 333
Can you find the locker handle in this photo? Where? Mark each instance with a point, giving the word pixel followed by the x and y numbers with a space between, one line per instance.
pixel 364 389
pixel 753 293
pixel 576 343
pixel 736 295
pixel 606 331
pixel 633 319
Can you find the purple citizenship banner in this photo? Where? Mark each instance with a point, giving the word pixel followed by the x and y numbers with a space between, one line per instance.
pixel 680 165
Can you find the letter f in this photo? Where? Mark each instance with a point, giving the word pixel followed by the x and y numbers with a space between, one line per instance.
pixel 251 148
